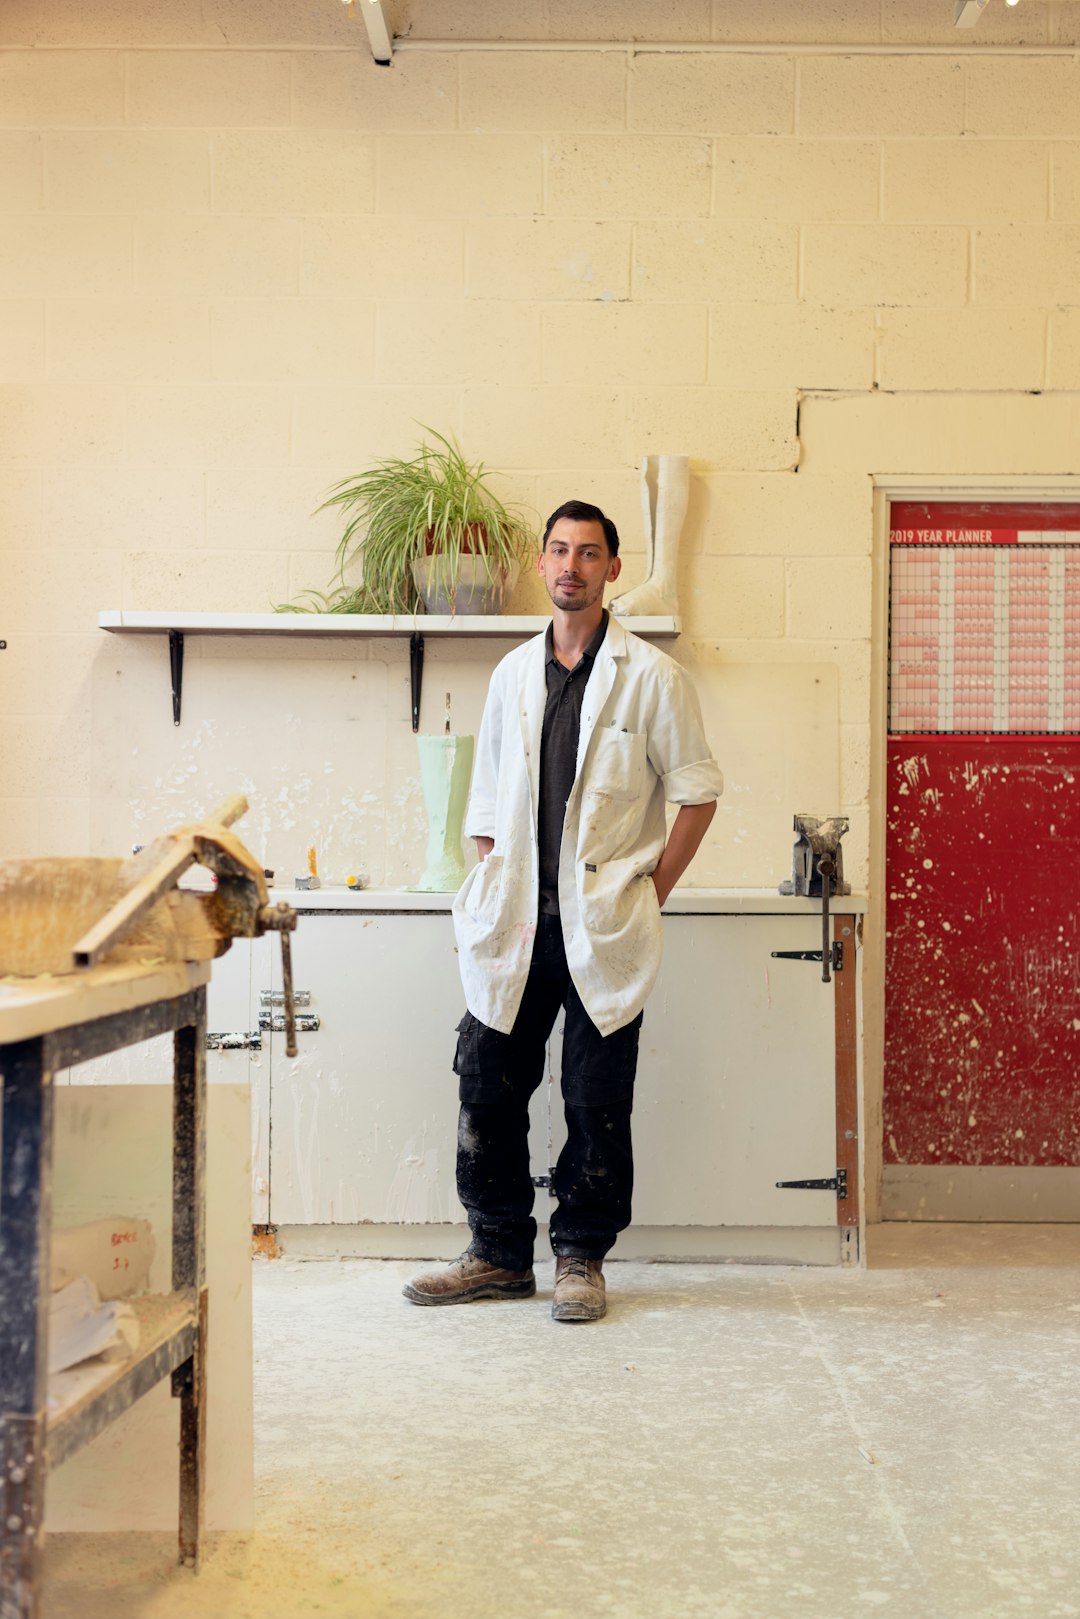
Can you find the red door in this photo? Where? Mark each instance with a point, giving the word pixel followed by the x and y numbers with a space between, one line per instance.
pixel 982 989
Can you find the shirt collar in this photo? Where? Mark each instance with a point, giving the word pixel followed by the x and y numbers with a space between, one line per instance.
pixel 590 651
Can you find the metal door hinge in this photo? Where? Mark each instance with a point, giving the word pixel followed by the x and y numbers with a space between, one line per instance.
pixel 547 1181
pixel 276 997
pixel 838 1184
pixel 234 1041
pixel 306 1023
pixel 836 957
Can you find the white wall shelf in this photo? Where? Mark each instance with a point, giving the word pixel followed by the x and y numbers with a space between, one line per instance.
pixel 119 621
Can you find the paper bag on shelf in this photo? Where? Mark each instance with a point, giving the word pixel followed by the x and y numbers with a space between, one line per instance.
pixel 115 1254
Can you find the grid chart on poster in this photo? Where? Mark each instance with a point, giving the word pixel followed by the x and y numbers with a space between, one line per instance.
pixel 985 637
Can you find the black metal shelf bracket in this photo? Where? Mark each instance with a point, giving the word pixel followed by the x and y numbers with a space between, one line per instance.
pixel 416 674
pixel 176 672
pixel 176 669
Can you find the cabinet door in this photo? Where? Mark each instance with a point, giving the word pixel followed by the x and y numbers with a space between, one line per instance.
pixel 232 1014
pixel 737 1081
pixel 364 1120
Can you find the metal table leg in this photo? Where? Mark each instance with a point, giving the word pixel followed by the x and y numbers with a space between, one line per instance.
pixel 25 1230
pixel 189 1269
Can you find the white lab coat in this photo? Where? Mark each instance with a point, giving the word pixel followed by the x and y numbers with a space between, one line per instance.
pixel 642 741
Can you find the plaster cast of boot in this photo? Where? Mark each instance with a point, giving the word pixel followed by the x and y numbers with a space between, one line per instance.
pixel 665 491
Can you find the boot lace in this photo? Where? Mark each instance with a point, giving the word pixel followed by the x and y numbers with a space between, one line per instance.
pixel 576 1267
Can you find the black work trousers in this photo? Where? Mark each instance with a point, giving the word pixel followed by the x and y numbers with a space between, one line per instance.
pixel 498 1073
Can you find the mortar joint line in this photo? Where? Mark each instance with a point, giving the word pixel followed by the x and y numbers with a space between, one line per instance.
pixel 646 47
pixel 641 47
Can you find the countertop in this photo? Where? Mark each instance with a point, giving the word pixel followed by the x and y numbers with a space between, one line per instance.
pixel 683 902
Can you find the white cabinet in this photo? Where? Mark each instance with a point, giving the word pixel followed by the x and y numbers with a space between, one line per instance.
pixel 735 1091
pixel 364 1120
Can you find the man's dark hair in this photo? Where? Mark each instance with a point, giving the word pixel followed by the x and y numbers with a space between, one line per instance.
pixel 579 511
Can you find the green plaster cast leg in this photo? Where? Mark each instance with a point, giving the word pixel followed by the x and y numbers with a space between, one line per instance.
pixel 445 772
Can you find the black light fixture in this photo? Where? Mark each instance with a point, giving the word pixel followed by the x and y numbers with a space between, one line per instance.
pixel 966 13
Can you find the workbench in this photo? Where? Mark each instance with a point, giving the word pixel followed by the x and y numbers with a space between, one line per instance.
pixel 47 1024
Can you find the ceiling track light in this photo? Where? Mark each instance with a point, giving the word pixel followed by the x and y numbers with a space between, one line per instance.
pixel 966 13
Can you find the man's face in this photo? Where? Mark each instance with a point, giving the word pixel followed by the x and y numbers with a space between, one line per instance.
pixel 576 564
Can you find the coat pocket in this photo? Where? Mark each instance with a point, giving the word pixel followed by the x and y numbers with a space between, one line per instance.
pixel 614 898
pixel 483 891
pixel 617 767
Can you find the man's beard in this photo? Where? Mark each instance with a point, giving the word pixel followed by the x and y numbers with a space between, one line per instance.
pixel 578 599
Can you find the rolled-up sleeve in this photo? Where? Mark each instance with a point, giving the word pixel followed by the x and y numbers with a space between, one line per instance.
pixel 679 750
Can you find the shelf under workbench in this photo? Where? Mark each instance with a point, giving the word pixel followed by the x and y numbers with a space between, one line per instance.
pixel 46 1024
pixel 84 1400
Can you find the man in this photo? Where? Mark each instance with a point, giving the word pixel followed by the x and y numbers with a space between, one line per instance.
pixel 586 732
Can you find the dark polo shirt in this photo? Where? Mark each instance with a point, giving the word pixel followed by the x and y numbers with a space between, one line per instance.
pixel 558 757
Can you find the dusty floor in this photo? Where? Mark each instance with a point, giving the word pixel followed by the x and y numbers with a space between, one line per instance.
pixel 731 1442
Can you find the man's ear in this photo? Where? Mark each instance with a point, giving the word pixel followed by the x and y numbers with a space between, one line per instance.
pixel 615 569
pixel 540 563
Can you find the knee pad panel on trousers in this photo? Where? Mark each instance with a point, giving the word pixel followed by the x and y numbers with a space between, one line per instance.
pixel 598 1071
pixel 495 1067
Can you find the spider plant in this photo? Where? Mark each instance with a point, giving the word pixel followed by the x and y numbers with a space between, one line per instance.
pixel 400 512
pixel 344 599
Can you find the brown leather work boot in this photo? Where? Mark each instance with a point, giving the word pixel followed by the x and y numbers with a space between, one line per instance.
pixel 469 1277
pixel 579 1289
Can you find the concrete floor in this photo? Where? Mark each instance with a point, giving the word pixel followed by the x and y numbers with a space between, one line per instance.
pixel 731 1442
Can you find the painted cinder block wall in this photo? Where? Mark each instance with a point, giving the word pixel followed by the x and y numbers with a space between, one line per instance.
pixel 801 243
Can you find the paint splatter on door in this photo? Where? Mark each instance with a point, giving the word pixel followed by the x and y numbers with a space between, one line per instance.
pixel 983 837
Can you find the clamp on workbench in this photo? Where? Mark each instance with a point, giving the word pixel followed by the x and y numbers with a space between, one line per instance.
pixel 239 906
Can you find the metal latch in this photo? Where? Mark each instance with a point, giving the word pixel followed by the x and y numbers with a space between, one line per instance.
pixel 836 956
pixel 547 1181
pixel 276 997
pixel 838 1185
pixel 234 1041
pixel 306 1023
